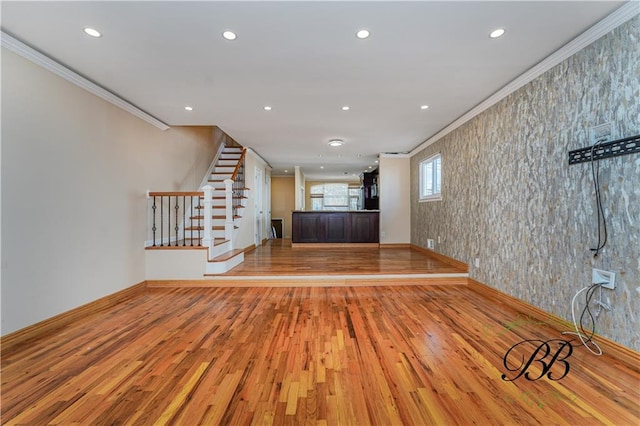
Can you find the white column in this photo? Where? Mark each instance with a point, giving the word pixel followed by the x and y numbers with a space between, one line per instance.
pixel 228 203
pixel 207 212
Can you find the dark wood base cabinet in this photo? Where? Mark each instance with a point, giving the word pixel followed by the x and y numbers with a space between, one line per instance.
pixel 336 227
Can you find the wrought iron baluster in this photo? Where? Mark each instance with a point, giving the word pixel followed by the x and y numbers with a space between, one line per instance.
pixel 177 227
pixel 191 220
pixel 153 228
pixel 200 214
pixel 184 221
pixel 162 221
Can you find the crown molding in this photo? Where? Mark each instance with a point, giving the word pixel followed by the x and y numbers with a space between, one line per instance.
pixel 606 25
pixel 394 155
pixel 29 53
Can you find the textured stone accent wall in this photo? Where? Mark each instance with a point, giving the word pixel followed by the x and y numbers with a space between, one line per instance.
pixel 511 200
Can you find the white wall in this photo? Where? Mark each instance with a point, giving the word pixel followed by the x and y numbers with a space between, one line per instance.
pixel 246 232
pixel 75 170
pixel 300 183
pixel 395 207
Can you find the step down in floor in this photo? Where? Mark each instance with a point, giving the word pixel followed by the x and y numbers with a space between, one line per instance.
pixel 224 262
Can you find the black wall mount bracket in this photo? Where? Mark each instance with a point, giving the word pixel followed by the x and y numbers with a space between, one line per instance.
pixel 615 148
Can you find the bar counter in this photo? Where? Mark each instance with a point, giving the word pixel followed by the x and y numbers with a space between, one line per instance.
pixel 335 227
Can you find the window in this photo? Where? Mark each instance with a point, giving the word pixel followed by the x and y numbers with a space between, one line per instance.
pixel 431 178
pixel 333 196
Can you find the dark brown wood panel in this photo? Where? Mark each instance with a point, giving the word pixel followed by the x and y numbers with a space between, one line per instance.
pixel 336 227
pixel 365 228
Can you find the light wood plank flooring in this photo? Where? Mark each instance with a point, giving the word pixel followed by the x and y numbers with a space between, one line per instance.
pixel 277 257
pixel 402 355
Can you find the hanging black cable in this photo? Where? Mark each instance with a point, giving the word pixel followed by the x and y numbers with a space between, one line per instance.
pixel 587 310
pixel 595 173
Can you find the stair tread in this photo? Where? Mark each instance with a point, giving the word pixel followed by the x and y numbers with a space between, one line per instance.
pixel 227 255
pixel 215 216
pixel 201 228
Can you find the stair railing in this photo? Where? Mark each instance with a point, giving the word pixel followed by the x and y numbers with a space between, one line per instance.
pixel 238 185
pixel 175 219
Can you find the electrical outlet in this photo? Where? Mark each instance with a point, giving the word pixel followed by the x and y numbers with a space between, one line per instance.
pixel 430 243
pixel 476 262
pixel 606 278
pixel 601 132
pixel 438 239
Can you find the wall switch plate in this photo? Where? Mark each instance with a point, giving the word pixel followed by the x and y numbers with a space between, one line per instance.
pixel 605 278
pixel 476 262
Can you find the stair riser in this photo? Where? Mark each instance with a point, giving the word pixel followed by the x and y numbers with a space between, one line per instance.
pixel 222 267
pixel 224 169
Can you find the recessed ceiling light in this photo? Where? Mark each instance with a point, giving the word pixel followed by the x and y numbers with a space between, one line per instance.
pixel 229 35
pixel 322 167
pixel 286 171
pixel 267 108
pixel 424 107
pixel 497 33
pixel 188 108
pixel 92 32
pixel 376 161
pixel 345 108
pixel 335 142
pixel 370 167
pixel 362 34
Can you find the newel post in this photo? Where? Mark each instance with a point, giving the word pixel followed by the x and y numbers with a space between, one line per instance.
pixel 207 212
pixel 228 210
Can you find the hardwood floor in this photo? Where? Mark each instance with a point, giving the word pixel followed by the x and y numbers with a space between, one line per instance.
pixel 277 257
pixel 402 355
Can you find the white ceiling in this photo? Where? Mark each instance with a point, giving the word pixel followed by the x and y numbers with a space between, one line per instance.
pixel 303 59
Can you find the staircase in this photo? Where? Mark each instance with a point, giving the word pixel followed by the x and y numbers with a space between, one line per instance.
pixel 229 166
pixel 180 219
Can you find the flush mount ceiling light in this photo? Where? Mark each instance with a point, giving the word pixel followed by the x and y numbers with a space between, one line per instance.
pixel 92 32
pixel 346 108
pixel 362 34
pixel 497 33
pixel 424 107
pixel 267 108
pixel 335 142
pixel 188 108
pixel 229 35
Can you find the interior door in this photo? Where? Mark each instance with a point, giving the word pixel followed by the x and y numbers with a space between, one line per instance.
pixel 259 212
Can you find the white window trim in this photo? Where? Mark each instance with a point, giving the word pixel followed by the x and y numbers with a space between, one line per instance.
pixel 433 197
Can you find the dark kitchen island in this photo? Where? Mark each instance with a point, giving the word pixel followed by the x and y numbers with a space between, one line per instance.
pixel 335 228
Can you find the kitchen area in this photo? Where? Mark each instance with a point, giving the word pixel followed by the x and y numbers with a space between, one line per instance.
pixel 334 213
pixel 367 209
